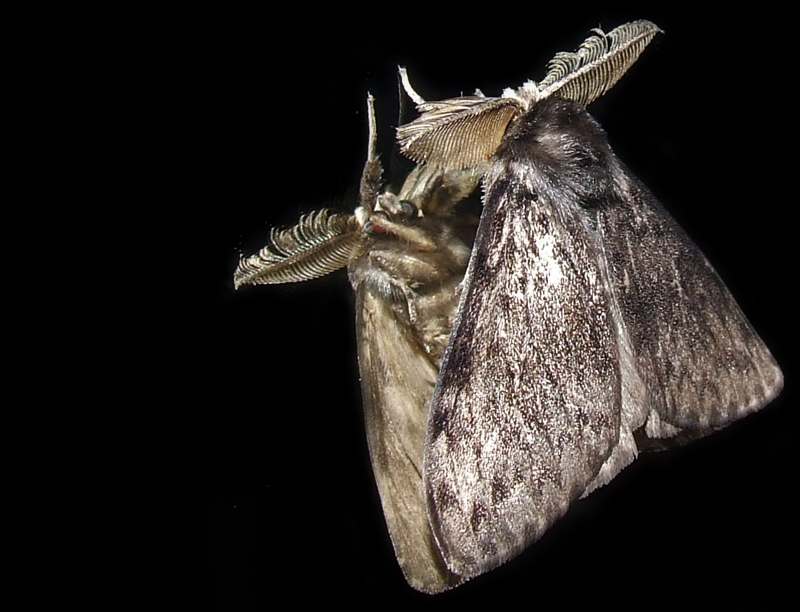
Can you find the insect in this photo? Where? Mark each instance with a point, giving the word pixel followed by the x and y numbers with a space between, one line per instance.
pixel 511 369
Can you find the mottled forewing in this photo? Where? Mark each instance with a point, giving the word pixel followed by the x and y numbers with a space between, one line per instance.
pixel 528 403
pixel 700 362
pixel 397 380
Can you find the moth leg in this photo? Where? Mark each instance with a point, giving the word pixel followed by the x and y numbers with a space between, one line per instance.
pixel 410 91
pixel 372 175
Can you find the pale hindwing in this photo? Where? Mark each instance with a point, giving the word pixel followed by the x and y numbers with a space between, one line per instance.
pixel 528 403
pixel 700 363
pixel 397 380
pixel 407 292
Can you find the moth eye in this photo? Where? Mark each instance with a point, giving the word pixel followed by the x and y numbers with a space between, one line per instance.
pixel 373 224
pixel 394 208
pixel 408 209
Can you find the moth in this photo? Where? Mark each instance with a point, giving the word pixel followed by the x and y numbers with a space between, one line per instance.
pixel 510 369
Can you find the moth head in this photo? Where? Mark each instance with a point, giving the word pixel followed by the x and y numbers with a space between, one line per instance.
pixel 391 215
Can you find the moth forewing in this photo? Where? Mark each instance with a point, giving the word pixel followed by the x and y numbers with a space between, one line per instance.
pixel 699 361
pixel 528 401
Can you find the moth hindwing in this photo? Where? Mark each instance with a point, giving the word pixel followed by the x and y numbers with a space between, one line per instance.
pixel 508 372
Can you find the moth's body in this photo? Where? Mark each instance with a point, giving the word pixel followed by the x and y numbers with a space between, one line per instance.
pixel 504 379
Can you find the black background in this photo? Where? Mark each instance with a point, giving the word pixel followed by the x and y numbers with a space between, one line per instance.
pixel 264 497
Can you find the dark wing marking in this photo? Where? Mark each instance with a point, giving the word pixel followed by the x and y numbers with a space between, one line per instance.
pixel 528 404
pixel 701 363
